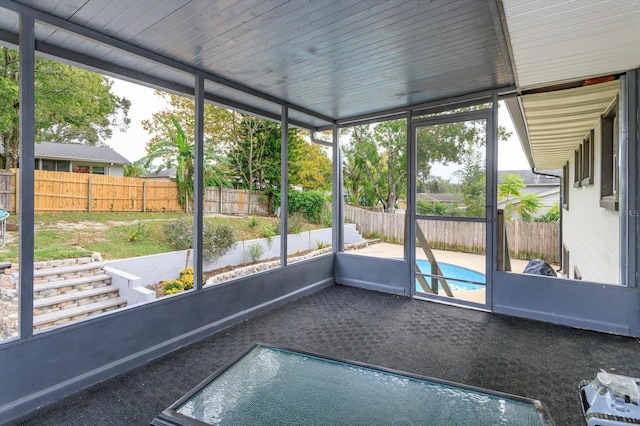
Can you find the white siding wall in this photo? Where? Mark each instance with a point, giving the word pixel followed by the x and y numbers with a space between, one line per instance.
pixel 114 170
pixel 591 233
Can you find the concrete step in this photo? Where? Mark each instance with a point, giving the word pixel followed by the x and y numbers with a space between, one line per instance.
pixel 74 298
pixel 54 288
pixel 66 272
pixel 67 315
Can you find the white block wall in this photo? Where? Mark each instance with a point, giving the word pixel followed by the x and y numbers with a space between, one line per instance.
pixel 591 233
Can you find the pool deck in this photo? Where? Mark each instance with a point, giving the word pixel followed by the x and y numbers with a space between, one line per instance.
pixel 476 262
pixel 468 260
pixel 527 358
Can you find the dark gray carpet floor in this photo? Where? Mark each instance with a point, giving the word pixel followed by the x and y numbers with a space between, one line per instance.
pixel 527 358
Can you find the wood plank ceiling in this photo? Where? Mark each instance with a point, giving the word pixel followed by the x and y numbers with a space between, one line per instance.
pixel 329 59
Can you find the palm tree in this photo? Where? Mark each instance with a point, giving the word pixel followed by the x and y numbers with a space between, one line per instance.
pixel 178 151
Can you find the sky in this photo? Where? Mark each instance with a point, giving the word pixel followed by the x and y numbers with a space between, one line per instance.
pixel 131 144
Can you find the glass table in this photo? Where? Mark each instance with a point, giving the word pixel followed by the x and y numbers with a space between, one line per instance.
pixel 266 385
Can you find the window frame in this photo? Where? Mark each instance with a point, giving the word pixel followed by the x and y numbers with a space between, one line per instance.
pixel 565 261
pixel 577 167
pixel 609 158
pixel 587 159
pixel 565 186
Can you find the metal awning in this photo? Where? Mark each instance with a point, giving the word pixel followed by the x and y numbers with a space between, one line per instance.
pixel 557 45
pixel 558 121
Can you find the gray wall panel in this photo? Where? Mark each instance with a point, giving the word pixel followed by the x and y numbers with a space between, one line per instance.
pixel 373 273
pixel 51 365
pixel 607 308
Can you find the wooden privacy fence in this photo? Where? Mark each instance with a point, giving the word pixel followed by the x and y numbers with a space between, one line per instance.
pixel 67 192
pixel 526 240
pixel 81 192
pixel 7 185
pixel 236 201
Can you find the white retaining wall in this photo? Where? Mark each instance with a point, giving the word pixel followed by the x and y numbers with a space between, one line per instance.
pixel 147 270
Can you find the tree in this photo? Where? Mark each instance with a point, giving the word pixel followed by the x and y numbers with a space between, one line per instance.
pixel 552 215
pixel 254 154
pixel 509 187
pixel 527 205
pixel 356 172
pixel 245 149
pixel 473 184
pixel 376 156
pixel 135 169
pixel 435 185
pixel 218 123
pixel 176 151
pixel 71 105
pixel 315 167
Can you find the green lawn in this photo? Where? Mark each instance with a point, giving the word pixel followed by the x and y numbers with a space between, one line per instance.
pixel 116 235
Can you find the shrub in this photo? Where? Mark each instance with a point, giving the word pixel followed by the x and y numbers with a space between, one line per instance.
pixel 253 222
pixel 551 216
pixel 268 231
pixel 321 244
pixel 173 286
pixel 326 216
pixel 308 203
pixel 295 223
pixel 184 282
pixel 437 208
pixel 216 240
pixel 186 277
pixel 179 233
pixel 139 232
pixel 255 251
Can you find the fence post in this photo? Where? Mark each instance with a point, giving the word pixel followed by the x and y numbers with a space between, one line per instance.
pixel 89 194
pixel 220 200
pixel 144 196
pixel 17 193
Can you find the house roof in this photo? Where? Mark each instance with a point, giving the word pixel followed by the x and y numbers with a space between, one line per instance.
pixel 72 151
pixel 533 179
pixel 443 198
pixel 166 173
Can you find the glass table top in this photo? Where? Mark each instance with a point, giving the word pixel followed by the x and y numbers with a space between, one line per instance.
pixel 269 385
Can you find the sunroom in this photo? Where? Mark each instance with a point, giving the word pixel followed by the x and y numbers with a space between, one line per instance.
pixel 568 75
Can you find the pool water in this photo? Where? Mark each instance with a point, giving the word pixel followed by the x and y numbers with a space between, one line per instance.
pixel 451 272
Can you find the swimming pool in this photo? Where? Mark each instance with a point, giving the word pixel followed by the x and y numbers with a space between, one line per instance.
pixel 450 272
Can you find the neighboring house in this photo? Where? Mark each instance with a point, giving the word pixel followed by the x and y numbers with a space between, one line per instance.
pixel 547 188
pixel 588 149
pixel 71 157
pixel 166 175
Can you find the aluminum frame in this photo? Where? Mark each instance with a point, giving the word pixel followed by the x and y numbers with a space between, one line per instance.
pixel 489 115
